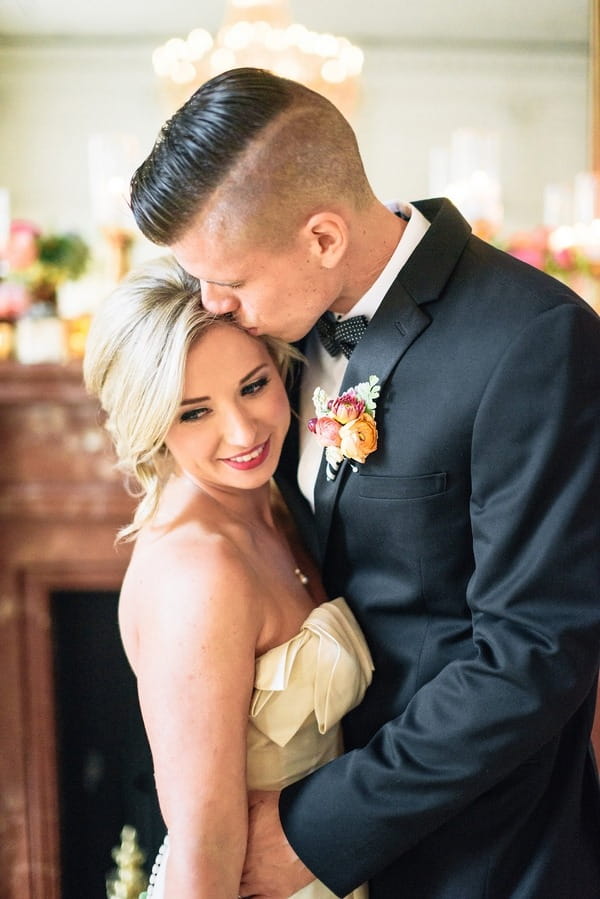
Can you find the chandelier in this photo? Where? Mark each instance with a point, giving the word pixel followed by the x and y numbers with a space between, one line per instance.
pixel 261 33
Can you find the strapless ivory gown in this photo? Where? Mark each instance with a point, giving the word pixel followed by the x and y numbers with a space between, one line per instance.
pixel 302 689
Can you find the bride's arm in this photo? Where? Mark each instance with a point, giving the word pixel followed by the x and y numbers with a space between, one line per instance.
pixel 197 631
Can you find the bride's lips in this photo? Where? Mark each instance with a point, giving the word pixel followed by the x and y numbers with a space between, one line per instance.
pixel 251 459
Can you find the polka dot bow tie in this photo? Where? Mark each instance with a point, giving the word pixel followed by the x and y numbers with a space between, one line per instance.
pixel 341 336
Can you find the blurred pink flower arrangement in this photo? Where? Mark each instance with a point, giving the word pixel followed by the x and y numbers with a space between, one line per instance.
pixel 543 248
pixel 569 253
pixel 35 264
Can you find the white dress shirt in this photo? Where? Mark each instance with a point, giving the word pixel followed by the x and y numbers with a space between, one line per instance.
pixel 328 371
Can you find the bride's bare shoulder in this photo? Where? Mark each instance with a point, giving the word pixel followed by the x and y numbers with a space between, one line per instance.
pixel 191 575
pixel 189 559
pixel 188 538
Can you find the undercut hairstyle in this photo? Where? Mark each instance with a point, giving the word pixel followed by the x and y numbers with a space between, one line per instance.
pixel 135 360
pixel 257 152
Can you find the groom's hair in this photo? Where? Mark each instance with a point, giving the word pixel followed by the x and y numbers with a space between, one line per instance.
pixel 263 151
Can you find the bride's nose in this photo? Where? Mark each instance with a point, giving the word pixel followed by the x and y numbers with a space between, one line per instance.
pixel 240 429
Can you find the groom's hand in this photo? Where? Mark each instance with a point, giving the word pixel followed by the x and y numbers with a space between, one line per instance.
pixel 272 869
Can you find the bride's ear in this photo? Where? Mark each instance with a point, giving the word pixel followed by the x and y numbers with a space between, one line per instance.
pixel 327 236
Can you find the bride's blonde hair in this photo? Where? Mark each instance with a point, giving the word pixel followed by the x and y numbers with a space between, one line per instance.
pixel 134 364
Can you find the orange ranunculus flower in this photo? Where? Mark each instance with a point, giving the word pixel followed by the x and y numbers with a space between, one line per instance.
pixel 359 438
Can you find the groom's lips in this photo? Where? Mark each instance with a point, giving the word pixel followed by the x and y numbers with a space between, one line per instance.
pixel 251 459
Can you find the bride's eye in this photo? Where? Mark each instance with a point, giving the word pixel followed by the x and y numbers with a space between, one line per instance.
pixel 193 414
pixel 255 386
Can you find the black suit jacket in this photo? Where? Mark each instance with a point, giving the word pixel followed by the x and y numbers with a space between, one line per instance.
pixel 468 546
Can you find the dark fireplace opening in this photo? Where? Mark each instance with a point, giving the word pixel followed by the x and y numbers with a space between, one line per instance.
pixel 104 764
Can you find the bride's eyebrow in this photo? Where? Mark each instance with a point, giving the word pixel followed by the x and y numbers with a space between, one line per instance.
pixel 194 399
pixel 244 380
pixel 252 373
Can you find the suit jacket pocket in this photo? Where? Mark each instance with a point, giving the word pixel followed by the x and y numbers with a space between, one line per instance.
pixel 382 487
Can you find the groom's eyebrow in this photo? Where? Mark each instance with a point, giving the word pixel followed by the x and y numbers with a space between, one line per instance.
pixel 236 282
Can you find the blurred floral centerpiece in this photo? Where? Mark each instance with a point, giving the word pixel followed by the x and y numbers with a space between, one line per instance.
pixel 35 265
pixel 569 253
pixel 543 248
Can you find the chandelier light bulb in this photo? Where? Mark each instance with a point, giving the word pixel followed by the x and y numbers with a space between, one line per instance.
pixel 260 33
pixel 199 42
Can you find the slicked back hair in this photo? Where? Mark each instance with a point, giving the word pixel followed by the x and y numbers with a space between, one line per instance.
pixel 265 149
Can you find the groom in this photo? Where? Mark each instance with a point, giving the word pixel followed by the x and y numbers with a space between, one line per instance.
pixel 468 543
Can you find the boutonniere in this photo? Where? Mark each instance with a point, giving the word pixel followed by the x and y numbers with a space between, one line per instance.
pixel 345 425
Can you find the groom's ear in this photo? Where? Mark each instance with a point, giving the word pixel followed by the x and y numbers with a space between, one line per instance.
pixel 327 237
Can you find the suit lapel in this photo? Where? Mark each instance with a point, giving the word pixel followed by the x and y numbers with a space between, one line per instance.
pixel 397 323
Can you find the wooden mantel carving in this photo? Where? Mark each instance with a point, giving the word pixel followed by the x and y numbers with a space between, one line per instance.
pixel 61 503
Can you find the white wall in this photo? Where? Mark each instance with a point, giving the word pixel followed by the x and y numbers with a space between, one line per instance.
pixel 55 93
pixel 536 101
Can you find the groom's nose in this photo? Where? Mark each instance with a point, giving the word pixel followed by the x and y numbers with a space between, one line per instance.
pixel 218 298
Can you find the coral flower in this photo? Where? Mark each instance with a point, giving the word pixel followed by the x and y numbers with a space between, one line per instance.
pixel 359 438
pixel 327 431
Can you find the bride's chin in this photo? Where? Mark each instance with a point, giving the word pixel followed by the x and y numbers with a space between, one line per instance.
pixel 229 483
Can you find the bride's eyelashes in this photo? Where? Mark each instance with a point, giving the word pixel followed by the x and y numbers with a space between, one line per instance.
pixel 250 389
pixel 255 386
pixel 194 414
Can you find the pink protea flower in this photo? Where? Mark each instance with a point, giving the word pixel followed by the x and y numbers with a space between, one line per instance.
pixel 347 407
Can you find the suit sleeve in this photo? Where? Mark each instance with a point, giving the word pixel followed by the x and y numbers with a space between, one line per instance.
pixel 535 611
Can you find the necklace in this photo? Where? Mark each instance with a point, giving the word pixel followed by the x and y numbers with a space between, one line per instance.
pixel 301 576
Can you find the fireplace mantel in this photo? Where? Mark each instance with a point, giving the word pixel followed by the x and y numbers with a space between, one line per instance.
pixel 61 503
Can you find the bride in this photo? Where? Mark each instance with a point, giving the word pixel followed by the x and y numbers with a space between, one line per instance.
pixel 244 670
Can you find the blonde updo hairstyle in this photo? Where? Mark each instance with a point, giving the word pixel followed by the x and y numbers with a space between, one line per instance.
pixel 134 364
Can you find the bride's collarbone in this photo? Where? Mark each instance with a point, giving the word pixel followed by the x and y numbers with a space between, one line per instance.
pixel 277 574
pixel 273 562
pixel 263 545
